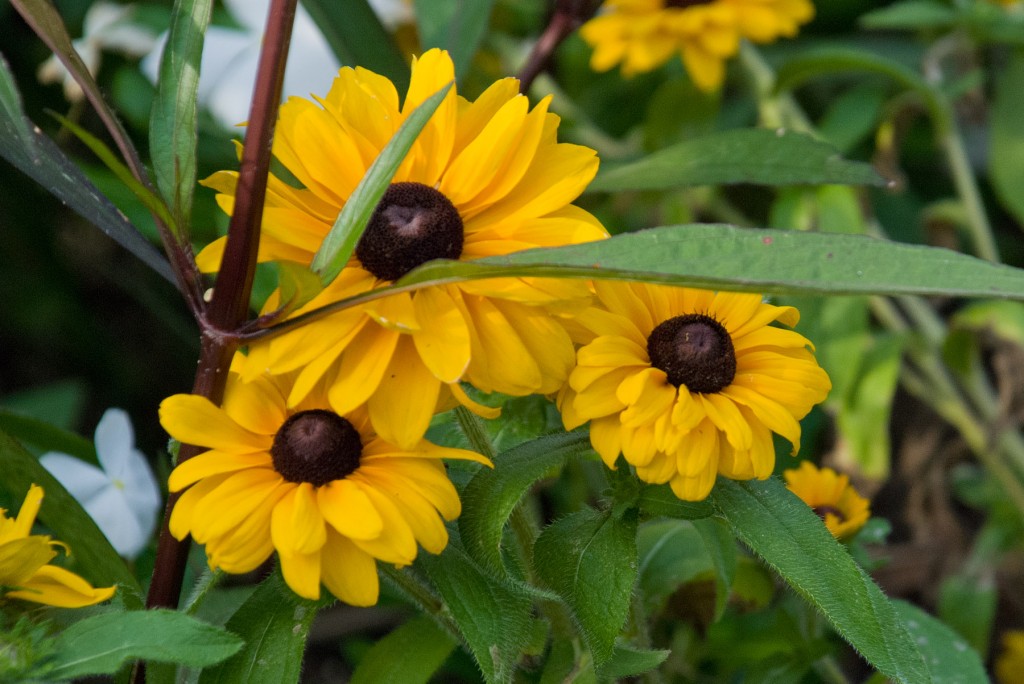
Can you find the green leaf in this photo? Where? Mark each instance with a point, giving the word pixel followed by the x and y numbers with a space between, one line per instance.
pixel 274 623
pixel 453 25
pixel 490 497
pixel 791 539
pixel 721 548
pixel 863 417
pixel 344 235
pixel 1006 145
pixel 658 500
pixel 149 198
pixel 968 603
pixel 101 644
pixel 298 285
pixel 46 437
pixel 172 126
pixel 742 156
pixel 671 554
pixel 947 656
pixel 1005 320
pixel 410 654
pixel 590 560
pixel 627 661
pixel 831 61
pixel 26 148
pixel 724 257
pixel 357 38
pixel 493 616
pixel 93 556
pixel 911 14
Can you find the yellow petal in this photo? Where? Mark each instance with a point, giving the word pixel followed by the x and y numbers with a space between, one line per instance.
pixel 348 510
pixel 297 527
pixel 301 572
pixel 432 151
pixel 443 340
pixel 396 543
pixel 22 558
pixel 256 406
pixel 28 511
pixel 364 364
pixel 421 516
pixel 399 415
pixel 349 572
pixel 55 586
pixel 195 420
pixel 232 501
pixel 606 437
pixel 213 463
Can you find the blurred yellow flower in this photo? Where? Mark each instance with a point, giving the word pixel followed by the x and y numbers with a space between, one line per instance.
pixel 644 34
pixel 24 557
pixel 1009 665
pixel 322 489
pixel 832 497
pixel 687 384
pixel 483 178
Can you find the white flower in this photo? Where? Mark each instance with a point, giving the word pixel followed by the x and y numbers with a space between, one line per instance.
pixel 107 26
pixel 231 56
pixel 122 497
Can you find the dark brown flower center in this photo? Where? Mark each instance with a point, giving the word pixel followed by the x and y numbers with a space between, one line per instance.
pixel 316 446
pixel 412 224
pixel 693 350
pixel 823 511
pixel 683 4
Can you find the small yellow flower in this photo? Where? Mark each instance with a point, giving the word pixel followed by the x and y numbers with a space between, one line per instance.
pixel 24 573
pixel 831 496
pixel 644 34
pixel 484 178
pixel 322 489
pixel 687 384
pixel 1009 665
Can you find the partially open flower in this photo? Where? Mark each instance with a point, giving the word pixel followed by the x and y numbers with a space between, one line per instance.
pixel 321 488
pixel 689 384
pixel 483 178
pixel 25 572
pixel 832 497
pixel 641 35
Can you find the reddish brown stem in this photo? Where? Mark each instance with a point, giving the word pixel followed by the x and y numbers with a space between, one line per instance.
pixel 229 307
pixel 567 17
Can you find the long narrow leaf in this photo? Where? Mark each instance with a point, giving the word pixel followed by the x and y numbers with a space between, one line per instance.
pixel 455 26
pixel 172 126
pixel 154 203
pixel 742 156
pixel 27 149
pixel 791 539
pixel 341 241
pixel 357 37
pixel 724 257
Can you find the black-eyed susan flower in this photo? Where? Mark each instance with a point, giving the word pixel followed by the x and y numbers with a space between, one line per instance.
pixel 483 178
pixel 1009 665
pixel 687 384
pixel 641 35
pixel 25 572
pixel 832 497
pixel 322 489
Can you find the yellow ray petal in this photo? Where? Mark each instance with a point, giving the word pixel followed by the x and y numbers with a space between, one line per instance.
pixel 195 420
pixel 443 340
pixel 400 416
pixel 349 572
pixel 55 586
pixel 348 510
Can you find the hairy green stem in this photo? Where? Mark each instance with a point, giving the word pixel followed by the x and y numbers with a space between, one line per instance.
pixel 421 596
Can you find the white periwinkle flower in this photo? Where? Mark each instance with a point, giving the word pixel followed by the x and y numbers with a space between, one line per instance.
pixel 231 57
pixel 107 26
pixel 122 496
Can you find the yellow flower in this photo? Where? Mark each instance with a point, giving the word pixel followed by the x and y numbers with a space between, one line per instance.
pixel 687 384
pixel 644 34
pixel 483 178
pixel 831 496
pixel 322 489
pixel 24 573
pixel 1009 666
